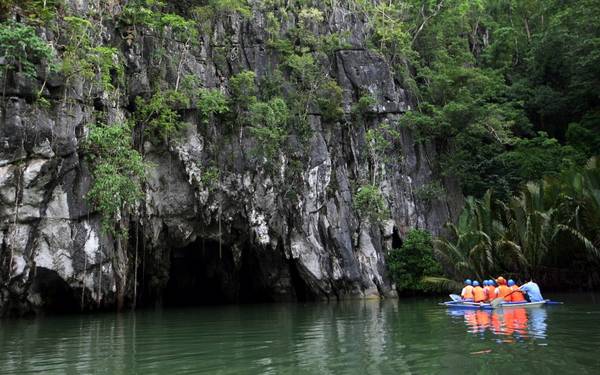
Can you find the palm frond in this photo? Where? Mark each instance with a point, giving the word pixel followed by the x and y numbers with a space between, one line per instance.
pixel 575 234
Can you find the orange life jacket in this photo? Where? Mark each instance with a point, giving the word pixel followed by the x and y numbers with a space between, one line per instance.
pixel 517 296
pixel 503 291
pixel 478 294
pixel 490 292
pixel 467 292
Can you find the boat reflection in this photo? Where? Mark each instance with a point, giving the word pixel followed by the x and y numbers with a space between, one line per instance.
pixel 508 324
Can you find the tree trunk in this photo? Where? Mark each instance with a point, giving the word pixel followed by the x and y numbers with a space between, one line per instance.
pixel 526 21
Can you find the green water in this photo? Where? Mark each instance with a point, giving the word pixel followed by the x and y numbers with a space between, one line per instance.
pixel 392 337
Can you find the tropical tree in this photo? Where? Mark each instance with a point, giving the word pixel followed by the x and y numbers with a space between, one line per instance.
pixel 576 195
pixel 552 224
pixel 533 226
pixel 478 246
pixel 537 223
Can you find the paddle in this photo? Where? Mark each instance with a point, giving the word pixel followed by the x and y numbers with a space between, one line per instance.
pixel 498 301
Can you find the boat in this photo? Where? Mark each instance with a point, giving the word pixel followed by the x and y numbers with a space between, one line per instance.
pixel 488 306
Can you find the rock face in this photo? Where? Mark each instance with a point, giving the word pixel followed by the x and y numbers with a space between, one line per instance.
pixel 246 239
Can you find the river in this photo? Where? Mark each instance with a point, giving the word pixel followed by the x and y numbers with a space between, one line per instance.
pixel 354 337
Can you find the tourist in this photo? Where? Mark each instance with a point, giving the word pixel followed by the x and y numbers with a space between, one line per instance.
pixel 533 291
pixel 490 290
pixel 478 292
pixel 517 295
pixel 467 292
pixel 502 290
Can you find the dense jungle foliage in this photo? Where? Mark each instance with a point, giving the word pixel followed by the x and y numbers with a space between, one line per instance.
pixel 506 90
pixel 550 232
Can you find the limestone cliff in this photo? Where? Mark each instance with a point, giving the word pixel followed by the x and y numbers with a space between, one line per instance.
pixel 258 234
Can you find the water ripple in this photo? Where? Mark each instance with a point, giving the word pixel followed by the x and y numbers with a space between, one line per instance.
pixel 354 337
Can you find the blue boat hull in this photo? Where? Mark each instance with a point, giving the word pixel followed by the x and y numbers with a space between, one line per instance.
pixel 488 306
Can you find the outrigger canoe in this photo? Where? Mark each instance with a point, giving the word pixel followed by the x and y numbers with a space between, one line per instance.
pixel 488 306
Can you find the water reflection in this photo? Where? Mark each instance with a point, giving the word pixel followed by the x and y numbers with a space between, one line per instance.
pixel 351 337
pixel 509 325
pixel 269 339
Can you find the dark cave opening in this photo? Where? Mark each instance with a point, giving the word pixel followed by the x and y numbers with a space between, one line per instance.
pixel 56 294
pixel 202 275
pixel 302 290
pixel 253 287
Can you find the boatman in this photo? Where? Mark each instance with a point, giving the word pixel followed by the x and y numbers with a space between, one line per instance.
pixel 467 292
pixel 533 291
pixel 517 295
pixel 478 292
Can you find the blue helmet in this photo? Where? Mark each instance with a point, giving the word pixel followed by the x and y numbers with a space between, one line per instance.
pixel 486 282
pixel 468 281
pixel 475 283
pixel 511 282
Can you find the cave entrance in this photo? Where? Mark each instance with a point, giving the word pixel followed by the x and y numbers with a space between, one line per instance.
pixel 199 275
pixel 57 296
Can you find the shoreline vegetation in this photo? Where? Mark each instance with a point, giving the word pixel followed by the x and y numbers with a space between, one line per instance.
pixel 549 232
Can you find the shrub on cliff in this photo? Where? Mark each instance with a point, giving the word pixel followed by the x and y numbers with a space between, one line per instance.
pixel 268 125
pixel 413 261
pixel 21 49
pixel 330 99
pixel 153 15
pixel 36 11
pixel 159 116
pixel 211 103
pixel 118 170
pixel 370 203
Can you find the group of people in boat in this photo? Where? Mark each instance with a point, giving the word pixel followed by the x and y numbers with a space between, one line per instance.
pixel 489 290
